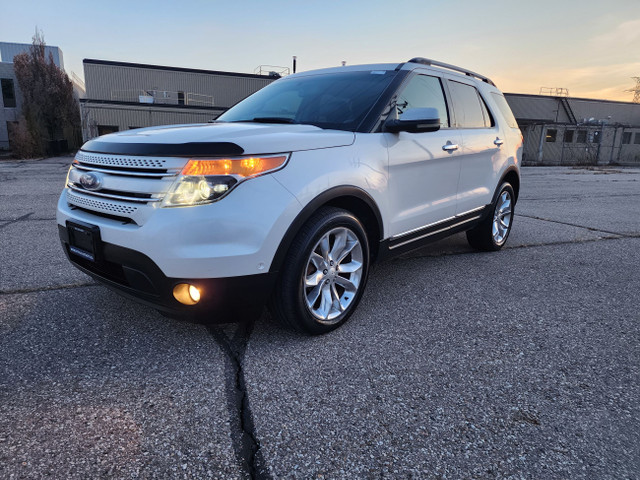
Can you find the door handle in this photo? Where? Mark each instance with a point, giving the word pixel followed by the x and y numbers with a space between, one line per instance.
pixel 497 142
pixel 449 147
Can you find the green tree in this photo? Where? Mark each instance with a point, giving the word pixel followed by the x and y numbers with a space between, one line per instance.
pixel 50 111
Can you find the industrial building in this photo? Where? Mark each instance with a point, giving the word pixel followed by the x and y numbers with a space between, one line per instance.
pixel 122 96
pixel 557 130
pixel 562 130
pixel 11 98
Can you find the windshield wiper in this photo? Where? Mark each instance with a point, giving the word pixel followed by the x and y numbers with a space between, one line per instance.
pixel 272 120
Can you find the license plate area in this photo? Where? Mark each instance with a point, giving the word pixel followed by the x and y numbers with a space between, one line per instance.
pixel 84 240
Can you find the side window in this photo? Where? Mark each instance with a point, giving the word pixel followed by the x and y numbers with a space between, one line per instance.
pixel 551 135
pixel 469 107
pixel 424 91
pixel 582 136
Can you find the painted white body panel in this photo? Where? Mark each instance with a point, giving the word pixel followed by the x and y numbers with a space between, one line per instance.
pixel 236 236
pixel 423 178
pixel 254 138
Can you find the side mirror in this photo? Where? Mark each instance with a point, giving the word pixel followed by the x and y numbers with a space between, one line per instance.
pixel 415 120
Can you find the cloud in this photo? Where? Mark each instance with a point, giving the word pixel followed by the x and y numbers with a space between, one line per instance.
pixel 624 35
pixel 599 81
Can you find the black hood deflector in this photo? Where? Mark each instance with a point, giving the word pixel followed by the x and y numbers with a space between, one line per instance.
pixel 194 149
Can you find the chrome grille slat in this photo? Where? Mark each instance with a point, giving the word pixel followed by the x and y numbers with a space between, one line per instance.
pixel 114 197
pixel 172 173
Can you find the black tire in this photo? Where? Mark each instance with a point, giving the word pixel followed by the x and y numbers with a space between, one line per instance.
pixel 482 237
pixel 289 302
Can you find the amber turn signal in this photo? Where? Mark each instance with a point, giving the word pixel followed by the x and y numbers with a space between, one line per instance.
pixel 243 167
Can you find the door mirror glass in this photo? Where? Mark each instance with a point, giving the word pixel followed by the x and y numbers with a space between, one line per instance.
pixel 415 120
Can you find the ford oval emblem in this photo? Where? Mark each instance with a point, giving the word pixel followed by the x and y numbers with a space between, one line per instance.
pixel 91 181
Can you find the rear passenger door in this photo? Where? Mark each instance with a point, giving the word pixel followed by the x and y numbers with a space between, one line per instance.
pixel 423 176
pixel 482 153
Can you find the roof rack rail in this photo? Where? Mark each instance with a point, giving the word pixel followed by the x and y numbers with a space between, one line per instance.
pixel 428 62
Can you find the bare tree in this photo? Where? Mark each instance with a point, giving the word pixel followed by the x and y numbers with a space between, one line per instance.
pixel 50 111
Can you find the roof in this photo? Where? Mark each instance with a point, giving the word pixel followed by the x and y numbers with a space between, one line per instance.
pixel 93 61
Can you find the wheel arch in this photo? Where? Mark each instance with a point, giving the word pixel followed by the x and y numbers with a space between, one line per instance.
pixel 512 176
pixel 350 198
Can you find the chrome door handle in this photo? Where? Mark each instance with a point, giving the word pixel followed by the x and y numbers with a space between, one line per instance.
pixel 449 147
pixel 497 142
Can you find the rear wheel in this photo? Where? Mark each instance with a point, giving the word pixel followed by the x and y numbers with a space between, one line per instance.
pixel 491 234
pixel 325 273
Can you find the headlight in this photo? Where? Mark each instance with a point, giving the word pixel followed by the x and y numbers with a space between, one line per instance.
pixel 204 181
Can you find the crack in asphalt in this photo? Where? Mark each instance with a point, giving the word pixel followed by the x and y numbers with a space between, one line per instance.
pixel 48 289
pixel 245 443
pixel 19 219
pixel 579 197
pixel 592 229
pixel 409 256
pixel 24 219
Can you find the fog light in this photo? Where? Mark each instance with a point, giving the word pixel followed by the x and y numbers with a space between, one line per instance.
pixel 186 294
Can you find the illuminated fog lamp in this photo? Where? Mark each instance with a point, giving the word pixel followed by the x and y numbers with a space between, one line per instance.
pixel 186 294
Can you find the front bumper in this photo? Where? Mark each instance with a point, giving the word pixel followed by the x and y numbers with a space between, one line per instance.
pixel 136 276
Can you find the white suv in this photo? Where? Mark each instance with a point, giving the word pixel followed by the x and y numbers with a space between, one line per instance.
pixel 289 196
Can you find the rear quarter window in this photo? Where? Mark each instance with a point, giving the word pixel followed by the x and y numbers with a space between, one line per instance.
pixel 504 108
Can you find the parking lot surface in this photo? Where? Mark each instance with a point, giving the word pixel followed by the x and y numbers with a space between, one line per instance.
pixel 523 363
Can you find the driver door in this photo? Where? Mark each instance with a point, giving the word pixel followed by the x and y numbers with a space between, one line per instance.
pixel 424 168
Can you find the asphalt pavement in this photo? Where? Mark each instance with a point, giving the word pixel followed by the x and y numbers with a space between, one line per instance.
pixel 523 363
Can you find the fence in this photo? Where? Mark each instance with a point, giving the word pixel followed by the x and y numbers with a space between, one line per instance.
pixel 581 144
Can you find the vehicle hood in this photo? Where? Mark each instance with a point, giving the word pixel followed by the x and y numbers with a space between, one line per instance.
pixel 219 139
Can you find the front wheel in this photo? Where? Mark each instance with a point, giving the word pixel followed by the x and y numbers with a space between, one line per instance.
pixel 324 274
pixel 491 234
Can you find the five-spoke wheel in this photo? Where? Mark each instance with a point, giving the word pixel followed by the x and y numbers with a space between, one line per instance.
pixel 333 274
pixel 325 273
pixel 492 232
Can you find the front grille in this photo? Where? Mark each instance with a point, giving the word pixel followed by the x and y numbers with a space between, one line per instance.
pixel 119 208
pixel 127 186
pixel 120 161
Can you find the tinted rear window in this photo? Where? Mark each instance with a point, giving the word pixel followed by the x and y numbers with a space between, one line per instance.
pixel 468 106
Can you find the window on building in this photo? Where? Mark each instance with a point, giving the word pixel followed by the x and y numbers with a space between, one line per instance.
pixel 8 93
pixel 104 129
pixel 597 136
pixel 469 107
pixel 424 91
pixel 582 136
pixel 568 136
pixel 180 98
pixel 551 135
pixel 637 140
pixel 133 128
pixel 626 138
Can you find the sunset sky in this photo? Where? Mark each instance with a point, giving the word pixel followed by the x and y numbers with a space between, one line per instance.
pixel 590 47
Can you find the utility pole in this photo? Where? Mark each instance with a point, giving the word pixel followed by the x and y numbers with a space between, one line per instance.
pixel 635 91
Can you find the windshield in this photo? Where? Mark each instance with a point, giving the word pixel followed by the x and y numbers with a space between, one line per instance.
pixel 337 101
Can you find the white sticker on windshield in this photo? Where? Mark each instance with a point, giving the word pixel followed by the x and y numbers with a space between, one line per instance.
pixel 378 72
